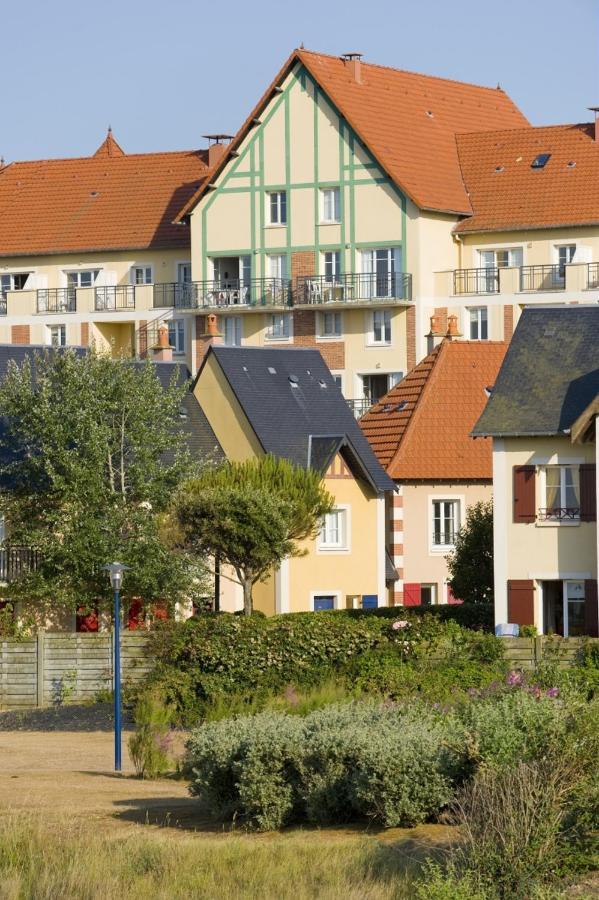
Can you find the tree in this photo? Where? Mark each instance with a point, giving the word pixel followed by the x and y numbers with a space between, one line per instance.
pixel 471 563
pixel 92 452
pixel 250 515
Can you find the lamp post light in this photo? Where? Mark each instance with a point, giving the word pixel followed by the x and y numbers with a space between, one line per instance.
pixel 115 571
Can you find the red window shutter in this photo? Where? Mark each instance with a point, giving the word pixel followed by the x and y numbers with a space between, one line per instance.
pixel 588 493
pixel 521 602
pixel 591 608
pixel 524 494
pixel 411 595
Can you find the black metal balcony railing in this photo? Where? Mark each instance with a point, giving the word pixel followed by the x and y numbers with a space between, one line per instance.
pixel 352 287
pixel 114 297
pixel 593 276
pixel 559 513
pixel 17 561
pixel 542 278
pixel 221 294
pixel 3 306
pixel 57 300
pixel 476 281
pixel 444 538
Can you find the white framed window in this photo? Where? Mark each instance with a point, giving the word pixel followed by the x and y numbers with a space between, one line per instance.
pixel 564 254
pixel 334 531
pixel 233 331
pixel 510 257
pixel 330 325
pixel 560 494
pixel 277 265
pixel 83 278
pixel 428 594
pixel 445 522
pixel 16 281
pixel 338 379
pixel 279 328
pixel 332 265
pixel 478 322
pixel 142 275
pixel 330 205
pixel 277 207
pixel 184 273
pixel 57 335
pixel 379 331
pixel 381 273
pixel 176 335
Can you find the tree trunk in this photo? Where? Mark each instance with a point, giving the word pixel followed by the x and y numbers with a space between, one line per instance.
pixel 247 597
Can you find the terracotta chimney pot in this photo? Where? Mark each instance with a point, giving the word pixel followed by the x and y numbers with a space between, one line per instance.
pixel 452 327
pixel 353 63
pixel 162 350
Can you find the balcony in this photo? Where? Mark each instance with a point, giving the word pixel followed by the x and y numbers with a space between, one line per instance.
pixel 542 278
pixel 114 298
pixel 592 277
pixel 476 281
pixel 16 562
pixel 559 514
pixel 315 290
pixel 57 300
pixel 360 407
pixel 270 292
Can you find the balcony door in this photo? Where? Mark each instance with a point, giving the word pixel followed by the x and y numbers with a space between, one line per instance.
pixel 232 272
pixel 564 608
pixel 380 266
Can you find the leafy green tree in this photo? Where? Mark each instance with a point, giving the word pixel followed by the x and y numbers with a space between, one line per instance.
pixel 93 450
pixel 471 563
pixel 250 515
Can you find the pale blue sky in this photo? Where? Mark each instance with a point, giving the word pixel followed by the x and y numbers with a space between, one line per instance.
pixel 164 73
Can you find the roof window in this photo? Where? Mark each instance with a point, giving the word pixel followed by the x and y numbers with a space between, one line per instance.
pixel 540 161
pixel 272 371
pixel 401 405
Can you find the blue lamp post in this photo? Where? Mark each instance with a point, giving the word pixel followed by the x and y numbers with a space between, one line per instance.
pixel 115 570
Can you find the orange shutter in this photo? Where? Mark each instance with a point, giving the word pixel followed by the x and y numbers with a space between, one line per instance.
pixel 521 602
pixel 591 608
pixel 588 493
pixel 524 494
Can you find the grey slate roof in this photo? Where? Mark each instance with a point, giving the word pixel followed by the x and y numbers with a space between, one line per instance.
pixel 549 376
pixel 296 409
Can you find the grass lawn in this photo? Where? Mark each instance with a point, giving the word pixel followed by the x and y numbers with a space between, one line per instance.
pixel 69 828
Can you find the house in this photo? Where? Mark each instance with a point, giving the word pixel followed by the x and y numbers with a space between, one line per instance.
pixel 542 418
pixel 420 433
pixel 285 402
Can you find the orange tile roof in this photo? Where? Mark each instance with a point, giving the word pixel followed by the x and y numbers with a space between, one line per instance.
pixel 108 201
pixel 407 121
pixel 506 193
pixel 421 429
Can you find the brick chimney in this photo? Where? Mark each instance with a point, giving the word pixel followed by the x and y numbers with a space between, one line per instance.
pixel 436 334
pixel 353 64
pixel 162 350
pixel 452 328
pixel 595 110
pixel 217 144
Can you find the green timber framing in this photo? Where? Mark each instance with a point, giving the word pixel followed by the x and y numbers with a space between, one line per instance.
pixel 351 177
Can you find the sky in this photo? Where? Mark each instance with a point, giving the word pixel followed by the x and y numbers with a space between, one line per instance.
pixel 163 73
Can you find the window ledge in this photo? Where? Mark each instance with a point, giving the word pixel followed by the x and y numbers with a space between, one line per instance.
pixel 329 337
pixel 275 225
pixel 558 523
pixel 333 550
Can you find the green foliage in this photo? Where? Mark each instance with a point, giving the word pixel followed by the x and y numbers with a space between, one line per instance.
pixel 449 883
pixel 471 563
pixel 149 745
pixel 95 450
pixel 251 515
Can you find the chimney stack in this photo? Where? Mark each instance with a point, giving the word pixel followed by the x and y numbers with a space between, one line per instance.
pixel 436 334
pixel 452 328
pixel 163 352
pixel 217 144
pixel 353 63
pixel 595 110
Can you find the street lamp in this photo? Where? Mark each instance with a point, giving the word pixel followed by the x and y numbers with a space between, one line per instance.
pixel 115 571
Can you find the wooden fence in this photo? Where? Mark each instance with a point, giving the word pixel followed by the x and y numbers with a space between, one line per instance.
pixel 527 653
pixel 55 667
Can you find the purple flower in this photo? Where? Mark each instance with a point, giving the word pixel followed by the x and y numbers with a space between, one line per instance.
pixel 514 678
pixel 553 692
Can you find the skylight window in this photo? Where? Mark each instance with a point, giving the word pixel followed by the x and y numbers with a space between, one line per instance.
pixel 272 371
pixel 540 161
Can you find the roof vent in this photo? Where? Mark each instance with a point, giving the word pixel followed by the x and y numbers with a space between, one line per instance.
pixel 489 390
pixel 322 383
pixel 571 164
pixel 293 380
pixel 182 412
pixel 401 406
pixel 499 168
pixel 540 161
pixel 430 113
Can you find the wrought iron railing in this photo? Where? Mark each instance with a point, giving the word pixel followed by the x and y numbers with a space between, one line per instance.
pixel 444 538
pixel 542 278
pixel 559 513
pixel 360 407
pixel 17 561
pixel 593 276
pixel 352 287
pixel 3 305
pixel 114 297
pixel 57 300
pixel 476 281
pixel 224 293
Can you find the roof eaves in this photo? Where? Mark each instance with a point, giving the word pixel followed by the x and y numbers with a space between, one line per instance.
pixel 507 226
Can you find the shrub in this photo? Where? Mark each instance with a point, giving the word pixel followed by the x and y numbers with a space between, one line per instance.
pixel 149 745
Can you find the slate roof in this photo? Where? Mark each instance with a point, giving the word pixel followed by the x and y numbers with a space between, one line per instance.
pixel 507 193
pixel 108 201
pixel 550 374
pixel 295 407
pixel 420 430
pixel 406 120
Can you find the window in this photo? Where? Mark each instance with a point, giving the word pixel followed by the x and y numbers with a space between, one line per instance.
pixel 332 265
pixel 446 522
pixel 14 282
pixel 58 335
pixel 479 327
pixel 331 203
pixel 277 201
pixel 381 270
pixel 323 602
pixel 561 493
pixel 184 273
pixel 501 259
pixel 338 379
pixel 279 329
pixel 233 331
pixel 380 329
pixel 82 279
pixel 330 325
pixel 333 532
pixel 176 335
pixel 277 266
pixel 141 275
pixel 428 594
pixel 377 384
pixel 565 255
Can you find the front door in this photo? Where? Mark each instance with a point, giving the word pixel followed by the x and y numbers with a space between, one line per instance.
pixel 563 608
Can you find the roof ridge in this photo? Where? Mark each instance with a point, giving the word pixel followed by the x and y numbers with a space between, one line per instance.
pixel 59 159
pixel 524 129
